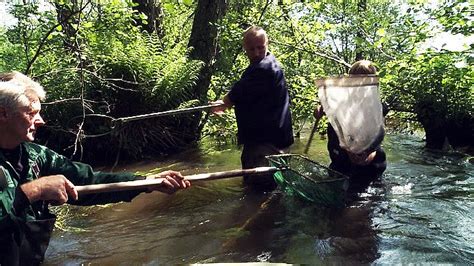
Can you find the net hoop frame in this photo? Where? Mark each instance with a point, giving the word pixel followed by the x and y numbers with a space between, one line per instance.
pixel 348 81
pixel 288 168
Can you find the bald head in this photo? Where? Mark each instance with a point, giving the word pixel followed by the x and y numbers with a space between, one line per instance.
pixel 255 32
pixel 255 43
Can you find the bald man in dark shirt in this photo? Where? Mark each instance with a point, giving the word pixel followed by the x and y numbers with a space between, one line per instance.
pixel 262 110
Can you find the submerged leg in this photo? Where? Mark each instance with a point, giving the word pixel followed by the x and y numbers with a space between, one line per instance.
pixel 254 156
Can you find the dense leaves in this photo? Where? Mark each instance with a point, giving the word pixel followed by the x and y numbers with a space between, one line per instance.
pixel 438 88
pixel 109 69
pixel 99 61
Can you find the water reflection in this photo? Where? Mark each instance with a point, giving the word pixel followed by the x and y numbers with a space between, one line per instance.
pixel 419 212
pixel 427 215
pixel 290 230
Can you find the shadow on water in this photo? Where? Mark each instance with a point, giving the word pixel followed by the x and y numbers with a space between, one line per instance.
pixel 419 212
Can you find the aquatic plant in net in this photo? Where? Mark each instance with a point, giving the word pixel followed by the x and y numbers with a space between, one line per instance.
pixel 310 180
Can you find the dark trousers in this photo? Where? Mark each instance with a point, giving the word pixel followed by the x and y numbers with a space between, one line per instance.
pixel 253 155
pixel 360 175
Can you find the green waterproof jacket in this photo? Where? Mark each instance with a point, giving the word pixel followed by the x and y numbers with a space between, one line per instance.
pixel 25 228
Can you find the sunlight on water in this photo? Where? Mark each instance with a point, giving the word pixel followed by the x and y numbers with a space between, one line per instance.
pixel 421 212
pixel 265 256
pixel 405 189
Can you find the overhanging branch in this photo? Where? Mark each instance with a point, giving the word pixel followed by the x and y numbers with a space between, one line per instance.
pixel 45 37
pixel 332 58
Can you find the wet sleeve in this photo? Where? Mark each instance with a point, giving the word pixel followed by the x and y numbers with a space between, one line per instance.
pixel 83 174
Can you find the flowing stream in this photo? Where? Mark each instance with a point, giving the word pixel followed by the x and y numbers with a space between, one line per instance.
pixel 421 212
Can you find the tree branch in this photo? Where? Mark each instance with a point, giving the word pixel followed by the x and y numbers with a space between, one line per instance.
pixel 43 40
pixel 332 58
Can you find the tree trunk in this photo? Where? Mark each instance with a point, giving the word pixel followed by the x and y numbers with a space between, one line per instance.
pixel 154 12
pixel 442 130
pixel 66 16
pixel 435 135
pixel 361 8
pixel 433 120
pixel 460 132
pixel 203 41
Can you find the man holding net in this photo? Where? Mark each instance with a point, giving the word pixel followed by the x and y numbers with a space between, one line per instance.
pixel 262 109
pixel 33 176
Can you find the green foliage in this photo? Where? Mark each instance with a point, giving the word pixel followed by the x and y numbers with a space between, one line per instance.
pixel 441 79
pixel 455 16
pixel 99 62
pixel 11 59
pixel 319 39
pixel 438 88
pixel 314 40
pixel 22 41
pixel 107 67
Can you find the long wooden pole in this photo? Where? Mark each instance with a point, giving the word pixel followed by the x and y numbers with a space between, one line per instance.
pixel 311 136
pixel 142 184
pixel 165 113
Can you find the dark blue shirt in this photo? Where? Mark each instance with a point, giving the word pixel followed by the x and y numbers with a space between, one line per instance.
pixel 340 159
pixel 262 105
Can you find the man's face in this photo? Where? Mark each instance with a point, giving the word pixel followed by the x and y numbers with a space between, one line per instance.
pixel 23 122
pixel 255 47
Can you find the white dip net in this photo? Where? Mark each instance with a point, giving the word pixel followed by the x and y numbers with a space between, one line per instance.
pixel 354 109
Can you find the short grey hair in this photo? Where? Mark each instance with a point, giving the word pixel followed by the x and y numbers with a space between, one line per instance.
pixel 17 88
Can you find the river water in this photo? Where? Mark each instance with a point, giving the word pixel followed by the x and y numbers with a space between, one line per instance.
pixel 421 212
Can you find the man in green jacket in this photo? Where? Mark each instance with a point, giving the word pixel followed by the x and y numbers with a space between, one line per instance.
pixel 32 176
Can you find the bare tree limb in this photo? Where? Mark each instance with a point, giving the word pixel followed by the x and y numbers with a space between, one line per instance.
pixel 263 11
pixel 332 58
pixel 371 41
pixel 45 37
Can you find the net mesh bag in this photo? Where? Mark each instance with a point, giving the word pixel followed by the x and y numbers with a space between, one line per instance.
pixel 308 179
pixel 354 109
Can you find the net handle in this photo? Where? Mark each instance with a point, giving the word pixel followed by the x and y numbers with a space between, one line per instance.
pixel 147 183
pixel 311 136
pixel 165 113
